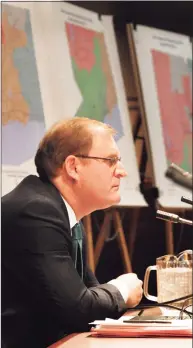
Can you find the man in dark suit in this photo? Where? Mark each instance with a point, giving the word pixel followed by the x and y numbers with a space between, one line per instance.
pixel 48 289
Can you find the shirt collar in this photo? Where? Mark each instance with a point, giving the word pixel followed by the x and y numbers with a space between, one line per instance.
pixel 71 214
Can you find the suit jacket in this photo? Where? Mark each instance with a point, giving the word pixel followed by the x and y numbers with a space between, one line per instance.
pixel 43 296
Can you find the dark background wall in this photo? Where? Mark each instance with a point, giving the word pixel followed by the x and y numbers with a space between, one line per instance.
pixel 169 15
pixel 176 16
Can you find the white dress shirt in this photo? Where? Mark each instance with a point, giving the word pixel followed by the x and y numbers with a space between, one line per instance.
pixel 71 214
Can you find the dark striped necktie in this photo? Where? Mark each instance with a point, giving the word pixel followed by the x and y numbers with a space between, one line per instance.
pixel 77 238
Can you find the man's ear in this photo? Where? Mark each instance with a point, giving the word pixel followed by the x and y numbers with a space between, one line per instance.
pixel 70 165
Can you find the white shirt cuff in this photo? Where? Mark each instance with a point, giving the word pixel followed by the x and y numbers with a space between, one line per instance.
pixel 121 287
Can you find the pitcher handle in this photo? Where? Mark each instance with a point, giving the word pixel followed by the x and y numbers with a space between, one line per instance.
pixel 146 282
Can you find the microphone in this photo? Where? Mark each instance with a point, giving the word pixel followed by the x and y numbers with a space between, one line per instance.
pixel 179 175
pixel 172 217
pixel 186 200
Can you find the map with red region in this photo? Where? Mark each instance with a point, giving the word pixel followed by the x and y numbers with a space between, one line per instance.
pixel 92 73
pixel 173 75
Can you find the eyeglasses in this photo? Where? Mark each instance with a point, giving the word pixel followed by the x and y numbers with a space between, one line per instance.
pixel 112 160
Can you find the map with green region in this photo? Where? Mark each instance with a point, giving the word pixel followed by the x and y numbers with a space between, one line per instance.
pixel 93 75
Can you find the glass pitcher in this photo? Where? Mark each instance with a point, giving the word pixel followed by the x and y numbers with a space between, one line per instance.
pixel 174 277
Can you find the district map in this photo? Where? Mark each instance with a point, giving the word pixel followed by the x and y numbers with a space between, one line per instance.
pixel 22 112
pixel 173 75
pixel 93 75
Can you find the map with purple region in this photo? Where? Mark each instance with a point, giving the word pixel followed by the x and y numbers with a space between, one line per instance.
pixel 22 112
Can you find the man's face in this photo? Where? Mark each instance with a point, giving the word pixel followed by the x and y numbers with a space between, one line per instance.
pixel 100 179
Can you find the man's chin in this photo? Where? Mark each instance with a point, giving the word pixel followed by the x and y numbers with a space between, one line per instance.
pixel 117 198
pixel 114 201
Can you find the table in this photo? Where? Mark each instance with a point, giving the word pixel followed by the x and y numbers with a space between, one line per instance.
pixel 84 340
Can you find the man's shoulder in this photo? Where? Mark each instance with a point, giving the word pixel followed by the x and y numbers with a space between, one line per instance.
pixel 31 183
pixel 33 193
pixel 34 199
pixel 31 188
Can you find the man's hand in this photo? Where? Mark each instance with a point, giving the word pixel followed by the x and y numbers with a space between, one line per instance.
pixel 130 286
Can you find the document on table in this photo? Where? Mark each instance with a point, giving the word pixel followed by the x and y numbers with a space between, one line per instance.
pixel 119 328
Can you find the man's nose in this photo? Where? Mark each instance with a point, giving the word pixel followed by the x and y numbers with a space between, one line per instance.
pixel 120 171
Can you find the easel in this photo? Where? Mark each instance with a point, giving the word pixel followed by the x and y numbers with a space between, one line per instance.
pixel 111 215
pixel 87 221
pixel 168 225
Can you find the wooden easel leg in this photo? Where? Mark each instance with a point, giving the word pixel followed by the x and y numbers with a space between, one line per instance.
pixel 122 241
pixel 102 236
pixel 169 238
pixel 133 231
pixel 88 228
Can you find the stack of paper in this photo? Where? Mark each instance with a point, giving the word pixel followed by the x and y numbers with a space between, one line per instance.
pixel 116 328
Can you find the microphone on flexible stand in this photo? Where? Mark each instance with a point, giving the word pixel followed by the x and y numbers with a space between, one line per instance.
pixel 186 200
pixel 172 217
pixel 179 175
